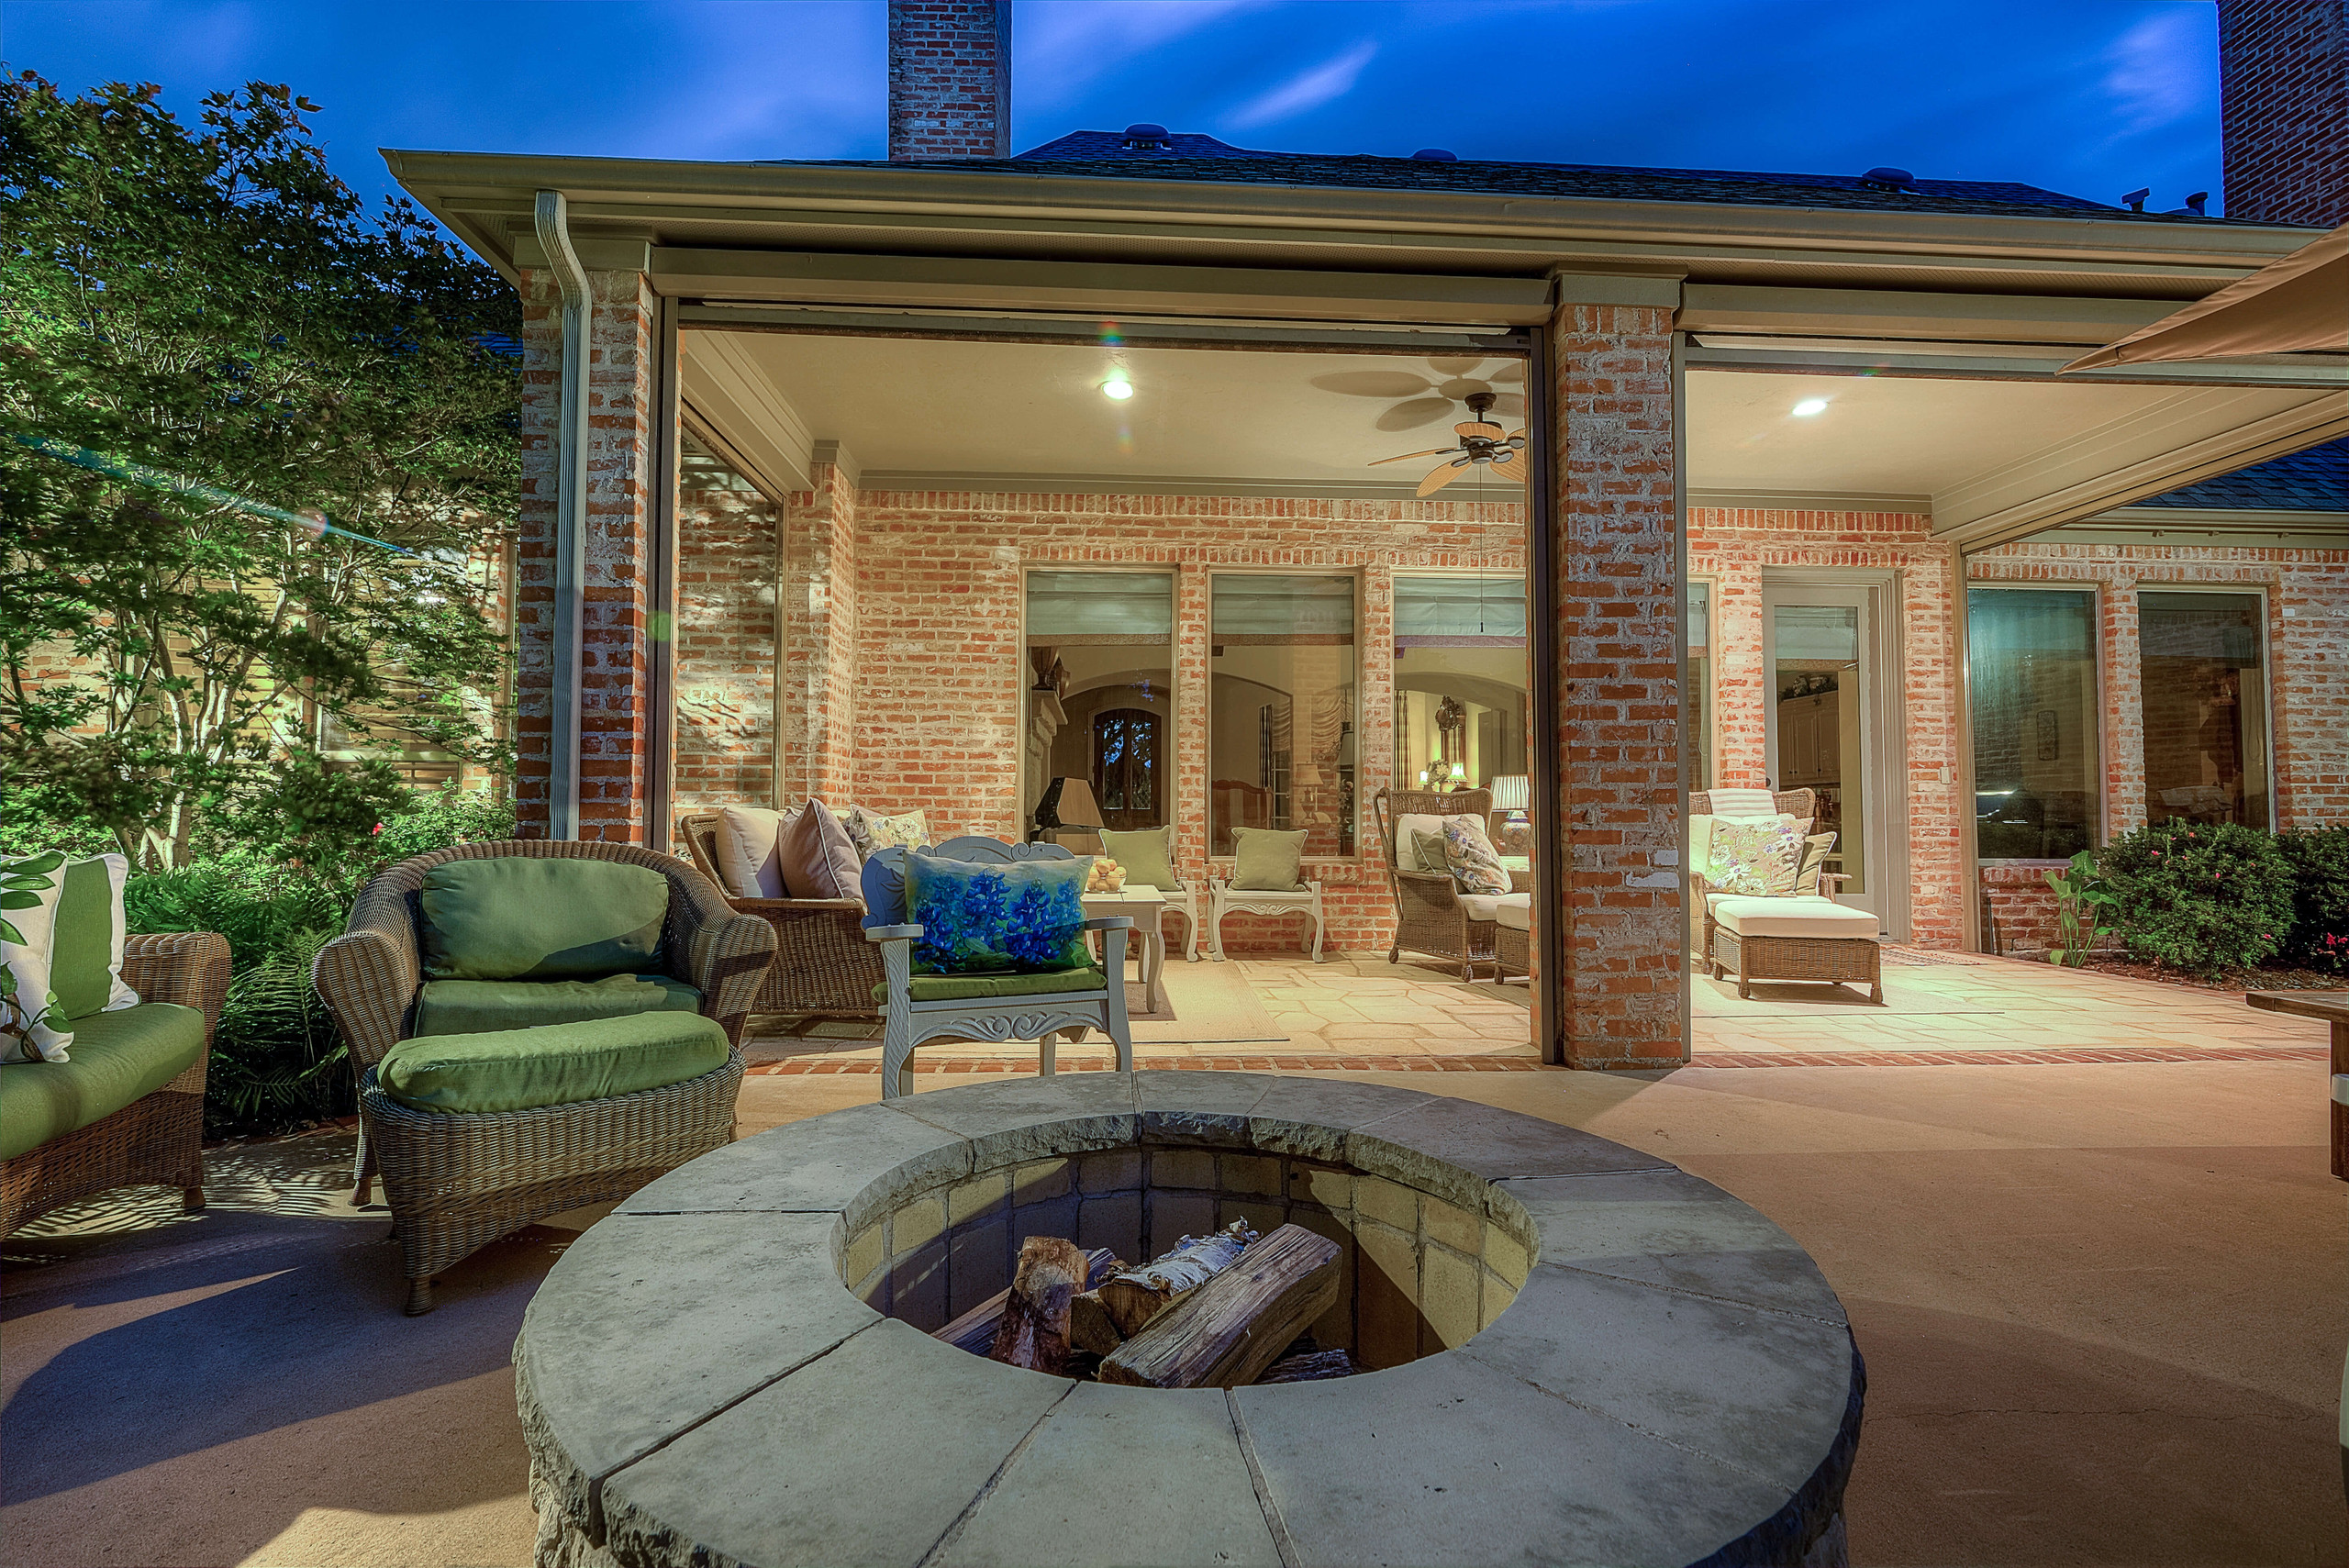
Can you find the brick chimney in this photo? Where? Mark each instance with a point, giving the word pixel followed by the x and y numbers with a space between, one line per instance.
pixel 2284 98
pixel 950 79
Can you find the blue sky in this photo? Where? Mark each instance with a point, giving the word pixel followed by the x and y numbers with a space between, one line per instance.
pixel 2090 97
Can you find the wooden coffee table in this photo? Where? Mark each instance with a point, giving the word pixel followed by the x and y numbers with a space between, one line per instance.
pixel 2333 1008
pixel 1148 907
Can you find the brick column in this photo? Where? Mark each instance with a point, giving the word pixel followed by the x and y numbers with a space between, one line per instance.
pixel 1193 640
pixel 2124 711
pixel 818 655
pixel 616 627
pixel 1615 740
pixel 950 79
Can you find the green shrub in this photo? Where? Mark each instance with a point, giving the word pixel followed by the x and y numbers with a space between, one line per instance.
pixel 2198 897
pixel 2319 861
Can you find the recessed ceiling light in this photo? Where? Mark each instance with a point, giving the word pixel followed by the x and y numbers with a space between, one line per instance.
pixel 1809 407
pixel 1118 387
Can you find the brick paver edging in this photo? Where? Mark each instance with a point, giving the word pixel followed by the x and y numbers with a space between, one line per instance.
pixel 803 1066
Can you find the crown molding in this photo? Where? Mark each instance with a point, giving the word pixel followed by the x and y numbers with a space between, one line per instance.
pixel 1168 484
pixel 1811 501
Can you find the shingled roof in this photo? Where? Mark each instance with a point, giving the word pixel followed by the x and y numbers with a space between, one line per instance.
pixel 1101 155
pixel 2316 480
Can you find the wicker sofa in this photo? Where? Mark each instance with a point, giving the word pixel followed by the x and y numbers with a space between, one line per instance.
pixel 823 966
pixel 156 1139
pixel 456 1182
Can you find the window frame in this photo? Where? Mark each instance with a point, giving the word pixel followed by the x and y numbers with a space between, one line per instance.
pixel 1358 575
pixel 2098 660
pixel 1024 675
pixel 1712 736
pixel 2261 593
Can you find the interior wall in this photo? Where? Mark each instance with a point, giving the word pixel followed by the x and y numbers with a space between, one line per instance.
pixel 940 674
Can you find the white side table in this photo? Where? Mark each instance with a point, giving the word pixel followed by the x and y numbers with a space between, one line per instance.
pixel 1147 906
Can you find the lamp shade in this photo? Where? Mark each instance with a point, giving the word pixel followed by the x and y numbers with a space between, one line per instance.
pixel 1067 803
pixel 1511 792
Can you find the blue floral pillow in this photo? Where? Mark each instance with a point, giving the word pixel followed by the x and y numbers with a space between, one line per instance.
pixel 981 918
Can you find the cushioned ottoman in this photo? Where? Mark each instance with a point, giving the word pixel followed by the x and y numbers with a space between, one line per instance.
pixel 1513 934
pixel 1806 938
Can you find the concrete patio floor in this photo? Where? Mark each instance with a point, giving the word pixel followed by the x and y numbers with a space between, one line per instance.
pixel 2101 1302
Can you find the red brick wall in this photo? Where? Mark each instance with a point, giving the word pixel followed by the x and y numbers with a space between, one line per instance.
pixel 1617 744
pixel 950 79
pixel 724 748
pixel 2284 95
pixel 2308 628
pixel 939 673
pixel 614 663
pixel 819 621
pixel 1734 548
pixel 2018 907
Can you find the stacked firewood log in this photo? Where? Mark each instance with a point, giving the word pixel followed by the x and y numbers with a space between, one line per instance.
pixel 1216 1311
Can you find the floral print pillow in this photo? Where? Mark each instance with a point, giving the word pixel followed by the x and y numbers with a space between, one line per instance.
pixel 1469 855
pixel 978 917
pixel 870 831
pixel 1758 859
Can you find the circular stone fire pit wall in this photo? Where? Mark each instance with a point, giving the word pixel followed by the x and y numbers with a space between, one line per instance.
pixel 1576 1352
pixel 1418 1273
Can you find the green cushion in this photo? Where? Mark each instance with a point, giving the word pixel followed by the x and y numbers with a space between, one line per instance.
pixel 117 1057
pixel 80 943
pixel 481 1007
pixel 518 1070
pixel 520 919
pixel 978 987
pixel 1148 856
pixel 1266 860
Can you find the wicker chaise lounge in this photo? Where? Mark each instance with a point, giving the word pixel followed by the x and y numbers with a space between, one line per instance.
pixel 1432 915
pixel 157 1138
pixel 1802 937
pixel 458 1181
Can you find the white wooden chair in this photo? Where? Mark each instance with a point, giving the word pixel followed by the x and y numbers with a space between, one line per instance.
pixel 1223 899
pixel 917 1008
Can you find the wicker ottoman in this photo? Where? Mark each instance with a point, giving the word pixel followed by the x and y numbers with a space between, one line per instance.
pixel 1794 938
pixel 1513 934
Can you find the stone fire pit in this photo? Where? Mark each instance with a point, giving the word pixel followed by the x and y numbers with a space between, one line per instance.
pixel 1580 1353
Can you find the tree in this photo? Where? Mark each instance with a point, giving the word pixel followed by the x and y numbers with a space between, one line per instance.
pixel 254 448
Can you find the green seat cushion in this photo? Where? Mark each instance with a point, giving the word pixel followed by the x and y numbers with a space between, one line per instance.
pixel 1266 860
pixel 482 1007
pixel 1148 856
pixel 558 1064
pixel 517 918
pixel 117 1058
pixel 982 987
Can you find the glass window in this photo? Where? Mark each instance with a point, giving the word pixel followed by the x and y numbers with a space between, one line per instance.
pixel 1698 682
pixel 2205 700
pixel 1100 712
pixel 1821 734
pixel 2032 668
pixel 1461 699
pixel 1281 708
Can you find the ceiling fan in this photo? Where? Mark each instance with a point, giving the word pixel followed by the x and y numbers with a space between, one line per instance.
pixel 1481 442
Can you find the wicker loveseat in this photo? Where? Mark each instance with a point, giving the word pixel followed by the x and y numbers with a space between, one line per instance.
pixel 1432 915
pixel 456 1182
pixel 823 966
pixel 152 1137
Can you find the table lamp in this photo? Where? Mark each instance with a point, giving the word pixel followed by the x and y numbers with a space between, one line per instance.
pixel 1512 793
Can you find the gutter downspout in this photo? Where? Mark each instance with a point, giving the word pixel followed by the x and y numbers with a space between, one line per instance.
pixel 570 517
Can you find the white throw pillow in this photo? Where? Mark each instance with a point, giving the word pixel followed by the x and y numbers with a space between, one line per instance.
pixel 32 1024
pixel 746 857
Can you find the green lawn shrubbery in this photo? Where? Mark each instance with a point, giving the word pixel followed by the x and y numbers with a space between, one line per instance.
pixel 2206 898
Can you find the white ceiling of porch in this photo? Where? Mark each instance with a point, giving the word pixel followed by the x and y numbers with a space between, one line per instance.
pixel 1977 454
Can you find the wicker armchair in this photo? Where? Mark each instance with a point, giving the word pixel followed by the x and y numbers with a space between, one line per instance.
pixel 1430 915
pixel 823 966
pixel 1789 802
pixel 456 1182
pixel 157 1138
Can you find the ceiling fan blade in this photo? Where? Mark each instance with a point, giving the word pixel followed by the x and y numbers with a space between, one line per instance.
pixel 1431 451
pixel 1438 478
pixel 1509 465
pixel 1511 369
pixel 1455 364
pixel 1412 415
pixel 1373 384
pixel 1478 428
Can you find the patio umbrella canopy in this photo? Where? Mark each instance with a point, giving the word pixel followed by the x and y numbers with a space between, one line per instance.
pixel 2299 303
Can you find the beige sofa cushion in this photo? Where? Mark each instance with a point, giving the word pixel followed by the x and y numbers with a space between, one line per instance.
pixel 1794 917
pixel 746 860
pixel 1515 911
pixel 1489 905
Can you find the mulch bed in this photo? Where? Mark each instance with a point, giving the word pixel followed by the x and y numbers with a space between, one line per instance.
pixel 2233 982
